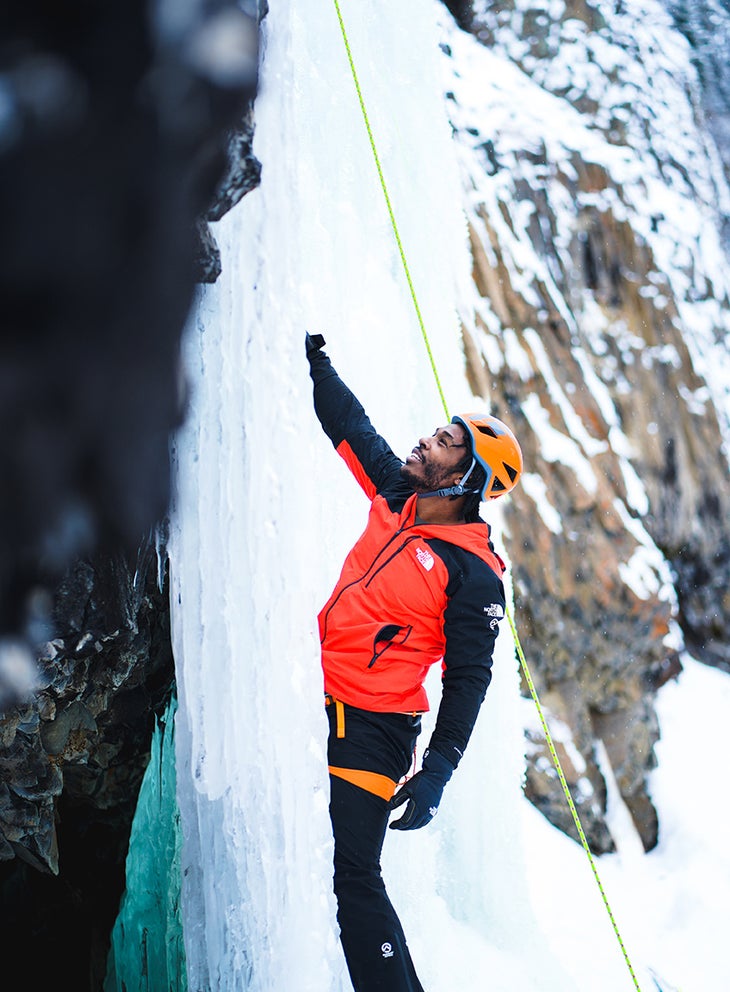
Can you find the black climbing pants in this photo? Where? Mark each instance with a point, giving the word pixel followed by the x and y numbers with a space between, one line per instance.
pixel 368 754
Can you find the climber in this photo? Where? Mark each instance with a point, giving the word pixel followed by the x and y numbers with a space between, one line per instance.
pixel 422 585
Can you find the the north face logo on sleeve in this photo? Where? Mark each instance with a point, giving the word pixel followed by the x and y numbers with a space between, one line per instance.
pixel 496 612
pixel 425 558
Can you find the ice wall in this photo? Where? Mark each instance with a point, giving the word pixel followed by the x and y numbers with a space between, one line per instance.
pixel 264 513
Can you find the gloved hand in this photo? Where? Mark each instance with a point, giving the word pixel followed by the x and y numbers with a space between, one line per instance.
pixel 423 792
pixel 313 342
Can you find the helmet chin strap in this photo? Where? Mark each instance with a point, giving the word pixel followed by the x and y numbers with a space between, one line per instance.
pixel 457 490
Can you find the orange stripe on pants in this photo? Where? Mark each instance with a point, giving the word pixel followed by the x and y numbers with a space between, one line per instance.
pixel 379 785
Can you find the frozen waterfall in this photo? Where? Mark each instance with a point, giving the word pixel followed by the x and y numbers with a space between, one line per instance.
pixel 264 512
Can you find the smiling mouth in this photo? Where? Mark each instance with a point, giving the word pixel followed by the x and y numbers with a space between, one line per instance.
pixel 416 453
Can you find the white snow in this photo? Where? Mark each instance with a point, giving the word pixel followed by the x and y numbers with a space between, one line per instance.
pixel 490 895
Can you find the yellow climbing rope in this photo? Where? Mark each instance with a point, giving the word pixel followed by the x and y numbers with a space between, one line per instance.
pixel 388 204
pixel 518 645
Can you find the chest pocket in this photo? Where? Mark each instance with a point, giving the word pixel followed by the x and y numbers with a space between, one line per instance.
pixel 388 635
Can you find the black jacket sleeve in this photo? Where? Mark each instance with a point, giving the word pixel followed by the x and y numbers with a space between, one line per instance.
pixel 476 604
pixel 345 422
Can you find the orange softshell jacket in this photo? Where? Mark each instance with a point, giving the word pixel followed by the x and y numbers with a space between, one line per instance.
pixel 410 595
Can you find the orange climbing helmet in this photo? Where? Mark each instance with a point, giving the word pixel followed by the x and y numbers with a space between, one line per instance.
pixel 495 448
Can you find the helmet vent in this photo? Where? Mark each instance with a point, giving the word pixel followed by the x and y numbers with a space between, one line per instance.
pixel 497 486
pixel 486 430
pixel 511 472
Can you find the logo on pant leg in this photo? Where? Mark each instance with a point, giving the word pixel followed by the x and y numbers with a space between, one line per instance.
pixel 387 949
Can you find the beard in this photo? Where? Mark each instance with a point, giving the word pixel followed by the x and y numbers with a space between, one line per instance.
pixel 425 481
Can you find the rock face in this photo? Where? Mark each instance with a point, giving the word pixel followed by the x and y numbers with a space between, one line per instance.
pixel 125 129
pixel 706 26
pixel 599 330
pixel 119 125
pixel 72 760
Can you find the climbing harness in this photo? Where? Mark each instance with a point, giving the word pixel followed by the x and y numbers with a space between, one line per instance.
pixel 518 645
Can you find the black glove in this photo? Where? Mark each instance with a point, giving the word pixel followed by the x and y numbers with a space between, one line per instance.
pixel 314 342
pixel 423 792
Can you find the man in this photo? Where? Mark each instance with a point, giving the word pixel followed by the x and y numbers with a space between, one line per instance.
pixel 421 586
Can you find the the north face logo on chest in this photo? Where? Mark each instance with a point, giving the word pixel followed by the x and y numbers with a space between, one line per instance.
pixel 425 558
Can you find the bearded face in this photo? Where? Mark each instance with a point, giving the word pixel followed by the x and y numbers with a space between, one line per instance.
pixel 433 463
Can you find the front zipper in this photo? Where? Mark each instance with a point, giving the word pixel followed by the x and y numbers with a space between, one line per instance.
pixel 388 560
pixel 369 569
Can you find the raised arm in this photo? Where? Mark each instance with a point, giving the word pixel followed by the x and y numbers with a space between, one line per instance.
pixel 367 455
